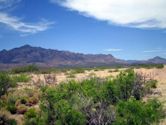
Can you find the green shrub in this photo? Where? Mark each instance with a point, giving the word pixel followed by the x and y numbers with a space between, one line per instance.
pixel 70 75
pixel 5 83
pixel 2 103
pixel 125 82
pixel 31 117
pixel 65 114
pixel 160 66
pixel 96 69
pixel 152 83
pixel 23 69
pixel 11 103
pixel 111 92
pixel 31 113
pixel 21 78
pixel 133 112
pixel 12 108
pixel 148 66
pixel 113 70
pixel 78 70
pixel 100 101
pixel 92 75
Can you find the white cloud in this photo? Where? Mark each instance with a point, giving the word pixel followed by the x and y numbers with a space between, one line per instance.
pixel 113 50
pixel 154 51
pixel 18 25
pixel 132 13
pixel 8 3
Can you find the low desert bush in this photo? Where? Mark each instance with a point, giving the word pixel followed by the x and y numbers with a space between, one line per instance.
pixel 92 75
pixel 148 66
pixel 20 78
pixel 24 69
pixel 31 117
pixel 70 75
pixel 115 101
pixel 5 83
pixel 113 70
pixel 20 101
pixel 11 103
pixel 78 70
pixel 152 83
pixel 5 120
pixel 134 112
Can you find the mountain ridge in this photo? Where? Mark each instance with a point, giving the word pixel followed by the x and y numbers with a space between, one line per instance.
pixel 48 57
pixel 28 54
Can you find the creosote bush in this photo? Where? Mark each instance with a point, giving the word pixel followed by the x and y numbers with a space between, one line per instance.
pixel 133 112
pixel 5 83
pixel 148 66
pixel 24 69
pixel 31 117
pixel 20 78
pixel 95 101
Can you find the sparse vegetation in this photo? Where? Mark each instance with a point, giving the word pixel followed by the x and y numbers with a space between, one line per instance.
pixel 113 100
pixel 78 70
pixel 11 104
pixel 101 101
pixel 31 117
pixel 5 83
pixel 24 69
pixel 70 75
pixel 148 66
pixel 18 102
pixel 113 70
pixel 152 83
pixel 20 78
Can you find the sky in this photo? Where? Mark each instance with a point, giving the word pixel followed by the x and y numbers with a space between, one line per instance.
pixel 127 29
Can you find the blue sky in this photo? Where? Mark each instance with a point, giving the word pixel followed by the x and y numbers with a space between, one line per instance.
pixel 130 30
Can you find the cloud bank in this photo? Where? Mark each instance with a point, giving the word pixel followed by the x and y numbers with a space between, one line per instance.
pixel 113 50
pixel 131 13
pixel 18 25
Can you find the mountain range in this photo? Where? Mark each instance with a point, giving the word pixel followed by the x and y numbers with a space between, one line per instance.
pixel 27 54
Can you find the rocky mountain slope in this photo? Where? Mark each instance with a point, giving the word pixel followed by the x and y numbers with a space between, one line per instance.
pixel 48 57
pixel 27 54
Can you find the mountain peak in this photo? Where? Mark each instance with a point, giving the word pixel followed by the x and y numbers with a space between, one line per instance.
pixel 158 60
pixel 157 57
pixel 28 54
pixel 26 46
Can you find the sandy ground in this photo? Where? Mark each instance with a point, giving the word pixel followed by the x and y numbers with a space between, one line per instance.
pixel 40 79
pixel 57 78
